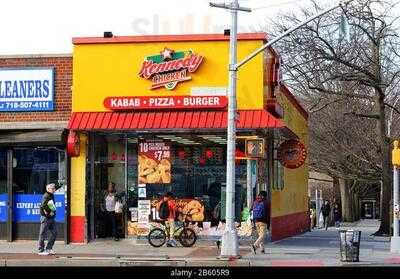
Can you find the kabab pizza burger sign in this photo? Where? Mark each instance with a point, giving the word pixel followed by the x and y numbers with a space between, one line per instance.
pixel 167 69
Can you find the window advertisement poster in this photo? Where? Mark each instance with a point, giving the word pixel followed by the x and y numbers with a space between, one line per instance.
pixel 26 89
pixel 154 165
pixel 27 208
pixel 3 207
pixel 143 211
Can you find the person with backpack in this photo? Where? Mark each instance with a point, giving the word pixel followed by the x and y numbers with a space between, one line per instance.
pixel 261 218
pixel 167 213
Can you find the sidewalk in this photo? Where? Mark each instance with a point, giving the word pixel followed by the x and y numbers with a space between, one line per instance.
pixel 316 248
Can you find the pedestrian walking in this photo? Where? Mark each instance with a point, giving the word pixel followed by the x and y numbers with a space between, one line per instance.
pixel 326 211
pixel 337 215
pixel 167 211
pixel 47 221
pixel 261 218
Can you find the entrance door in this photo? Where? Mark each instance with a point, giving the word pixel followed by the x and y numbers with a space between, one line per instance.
pixel 109 166
pixel 3 195
pixel 32 169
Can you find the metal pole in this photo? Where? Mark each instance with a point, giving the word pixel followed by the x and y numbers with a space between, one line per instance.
pixel 316 209
pixel 249 184
pixel 395 201
pixel 229 238
pixel 395 240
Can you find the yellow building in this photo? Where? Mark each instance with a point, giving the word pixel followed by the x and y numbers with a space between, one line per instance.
pixel 149 113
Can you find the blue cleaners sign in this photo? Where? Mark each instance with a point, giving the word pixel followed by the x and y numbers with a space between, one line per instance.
pixel 27 208
pixel 27 89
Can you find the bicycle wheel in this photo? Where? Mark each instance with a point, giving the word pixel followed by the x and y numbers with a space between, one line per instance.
pixel 157 237
pixel 187 237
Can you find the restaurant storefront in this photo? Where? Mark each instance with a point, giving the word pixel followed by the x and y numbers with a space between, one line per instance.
pixel 149 113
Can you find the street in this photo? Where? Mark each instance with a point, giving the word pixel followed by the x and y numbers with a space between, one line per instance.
pixel 312 249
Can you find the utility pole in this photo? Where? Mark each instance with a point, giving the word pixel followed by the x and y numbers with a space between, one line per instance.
pixel 395 240
pixel 230 245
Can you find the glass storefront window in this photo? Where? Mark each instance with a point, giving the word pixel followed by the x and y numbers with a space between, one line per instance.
pixel 278 171
pixel 33 169
pixel 198 173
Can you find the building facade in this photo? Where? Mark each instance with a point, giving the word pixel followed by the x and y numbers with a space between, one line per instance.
pixel 35 106
pixel 149 114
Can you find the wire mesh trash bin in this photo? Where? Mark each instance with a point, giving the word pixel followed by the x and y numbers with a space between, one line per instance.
pixel 349 245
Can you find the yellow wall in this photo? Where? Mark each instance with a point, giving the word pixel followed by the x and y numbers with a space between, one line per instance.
pixel 294 196
pixel 106 70
pixel 78 179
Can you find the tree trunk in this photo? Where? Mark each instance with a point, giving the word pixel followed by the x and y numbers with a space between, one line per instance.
pixel 355 207
pixel 346 200
pixel 384 142
pixel 336 190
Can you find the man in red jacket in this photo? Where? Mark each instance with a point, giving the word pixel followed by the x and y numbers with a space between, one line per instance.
pixel 261 218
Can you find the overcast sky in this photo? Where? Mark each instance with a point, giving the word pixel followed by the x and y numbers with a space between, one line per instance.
pixel 47 26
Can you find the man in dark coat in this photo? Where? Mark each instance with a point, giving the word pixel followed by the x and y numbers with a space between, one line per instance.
pixel 326 211
pixel 47 221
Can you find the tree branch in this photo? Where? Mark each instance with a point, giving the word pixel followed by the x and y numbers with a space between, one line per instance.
pixel 374 116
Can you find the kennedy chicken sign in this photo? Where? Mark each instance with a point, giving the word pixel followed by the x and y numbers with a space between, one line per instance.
pixel 170 68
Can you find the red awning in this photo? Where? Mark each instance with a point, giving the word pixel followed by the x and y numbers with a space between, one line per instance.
pixel 248 119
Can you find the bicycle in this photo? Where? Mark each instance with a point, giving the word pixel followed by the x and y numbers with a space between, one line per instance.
pixel 187 236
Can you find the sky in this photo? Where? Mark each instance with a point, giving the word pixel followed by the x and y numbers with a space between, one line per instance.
pixel 47 26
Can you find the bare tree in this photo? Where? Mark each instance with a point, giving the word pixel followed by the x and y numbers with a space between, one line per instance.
pixel 361 76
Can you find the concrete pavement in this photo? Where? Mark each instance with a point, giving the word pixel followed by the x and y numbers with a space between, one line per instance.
pixel 316 248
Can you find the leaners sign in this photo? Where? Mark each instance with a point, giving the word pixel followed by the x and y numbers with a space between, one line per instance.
pixel 26 89
pixel 169 68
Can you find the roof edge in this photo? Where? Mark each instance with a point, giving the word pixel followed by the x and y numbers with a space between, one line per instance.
pixel 166 38
pixel 50 55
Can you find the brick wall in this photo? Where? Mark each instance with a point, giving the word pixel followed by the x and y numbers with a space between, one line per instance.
pixel 63 81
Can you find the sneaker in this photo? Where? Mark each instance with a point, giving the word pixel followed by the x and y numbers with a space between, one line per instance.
pixel 43 253
pixel 254 249
pixel 169 243
pixel 51 252
pixel 116 239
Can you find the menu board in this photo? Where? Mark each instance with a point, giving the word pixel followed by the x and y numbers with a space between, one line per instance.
pixel 154 166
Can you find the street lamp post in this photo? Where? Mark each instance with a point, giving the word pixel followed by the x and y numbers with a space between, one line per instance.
pixel 395 240
pixel 229 238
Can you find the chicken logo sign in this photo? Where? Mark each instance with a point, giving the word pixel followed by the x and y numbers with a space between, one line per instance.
pixel 169 68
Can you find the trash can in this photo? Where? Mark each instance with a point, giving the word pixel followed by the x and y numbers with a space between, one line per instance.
pixel 349 245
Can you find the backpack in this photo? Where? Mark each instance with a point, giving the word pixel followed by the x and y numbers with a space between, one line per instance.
pixel 258 210
pixel 164 210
